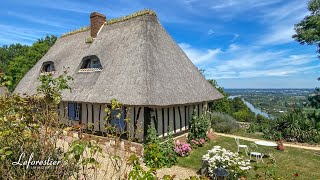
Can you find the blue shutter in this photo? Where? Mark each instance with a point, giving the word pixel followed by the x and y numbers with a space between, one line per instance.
pixel 71 111
pixel 117 122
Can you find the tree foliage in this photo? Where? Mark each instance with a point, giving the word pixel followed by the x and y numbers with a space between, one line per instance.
pixel 308 30
pixel 314 99
pixel 28 125
pixel 221 105
pixel 16 59
pixel 297 126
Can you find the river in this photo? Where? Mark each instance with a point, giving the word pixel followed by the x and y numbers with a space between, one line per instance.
pixel 252 108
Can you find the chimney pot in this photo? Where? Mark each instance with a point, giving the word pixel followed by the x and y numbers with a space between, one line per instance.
pixel 96 21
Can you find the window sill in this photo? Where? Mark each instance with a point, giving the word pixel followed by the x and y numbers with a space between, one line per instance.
pixel 47 73
pixel 90 70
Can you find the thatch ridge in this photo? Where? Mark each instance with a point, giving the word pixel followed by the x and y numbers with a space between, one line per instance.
pixel 85 28
pixel 114 20
pixel 130 16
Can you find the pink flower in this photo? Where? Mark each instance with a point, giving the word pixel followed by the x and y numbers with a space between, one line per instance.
pixel 182 149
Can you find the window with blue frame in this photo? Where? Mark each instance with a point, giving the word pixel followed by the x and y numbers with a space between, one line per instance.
pixel 74 111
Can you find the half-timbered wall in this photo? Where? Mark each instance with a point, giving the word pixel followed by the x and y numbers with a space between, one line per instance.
pixel 175 119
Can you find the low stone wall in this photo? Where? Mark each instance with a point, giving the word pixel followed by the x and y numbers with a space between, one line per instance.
pixel 244 125
pixel 108 142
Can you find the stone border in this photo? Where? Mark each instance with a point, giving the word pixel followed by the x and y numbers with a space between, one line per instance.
pixel 108 142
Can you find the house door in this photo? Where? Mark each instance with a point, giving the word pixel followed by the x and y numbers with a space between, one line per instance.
pixel 149 119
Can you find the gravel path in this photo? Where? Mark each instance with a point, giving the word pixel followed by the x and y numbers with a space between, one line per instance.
pixel 309 147
pixel 180 172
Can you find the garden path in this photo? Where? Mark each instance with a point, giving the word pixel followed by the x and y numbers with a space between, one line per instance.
pixel 301 146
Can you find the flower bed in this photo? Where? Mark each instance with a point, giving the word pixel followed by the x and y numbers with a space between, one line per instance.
pixel 197 142
pixel 182 149
pixel 221 158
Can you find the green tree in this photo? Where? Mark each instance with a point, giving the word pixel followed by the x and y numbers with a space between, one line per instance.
pixel 9 52
pixel 308 30
pixel 221 105
pixel 314 99
pixel 244 115
pixel 238 104
pixel 23 61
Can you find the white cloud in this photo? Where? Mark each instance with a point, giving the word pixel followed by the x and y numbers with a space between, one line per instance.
pixel 280 22
pixel 235 37
pixel 249 61
pixel 278 35
pixel 12 34
pixel 40 20
pixel 233 48
pixel 210 32
pixel 241 5
pixel 198 56
pixel 228 9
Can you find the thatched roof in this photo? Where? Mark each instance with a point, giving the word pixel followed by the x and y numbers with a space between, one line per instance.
pixel 142 65
pixel 3 90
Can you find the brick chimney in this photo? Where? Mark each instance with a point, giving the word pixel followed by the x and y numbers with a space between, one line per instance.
pixel 96 21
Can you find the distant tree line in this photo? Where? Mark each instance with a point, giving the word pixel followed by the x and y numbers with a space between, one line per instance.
pixel 17 59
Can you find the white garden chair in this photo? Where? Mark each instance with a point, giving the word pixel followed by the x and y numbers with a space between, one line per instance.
pixel 257 154
pixel 245 147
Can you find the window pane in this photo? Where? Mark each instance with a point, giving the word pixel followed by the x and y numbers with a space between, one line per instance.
pixel 77 111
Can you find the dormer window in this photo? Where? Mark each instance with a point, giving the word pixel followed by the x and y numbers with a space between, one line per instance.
pixel 47 67
pixel 90 63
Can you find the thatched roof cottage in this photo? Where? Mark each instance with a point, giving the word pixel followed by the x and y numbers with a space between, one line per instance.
pixel 132 59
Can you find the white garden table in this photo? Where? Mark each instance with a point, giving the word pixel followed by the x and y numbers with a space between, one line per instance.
pixel 260 155
pixel 266 143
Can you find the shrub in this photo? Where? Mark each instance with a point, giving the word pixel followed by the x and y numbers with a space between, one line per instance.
pixel 29 129
pixel 182 149
pixel 221 158
pixel 167 146
pixel 156 154
pixel 244 115
pixel 297 126
pixel 198 126
pixel 137 171
pixel 223 123
pixel 197 142
pixel 153 156
pixel 263 125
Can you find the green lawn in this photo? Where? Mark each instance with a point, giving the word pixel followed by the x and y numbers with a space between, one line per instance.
pixel 304 162
pixel 243 133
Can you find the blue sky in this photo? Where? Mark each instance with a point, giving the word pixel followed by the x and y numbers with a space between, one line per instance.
pixel 240 43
